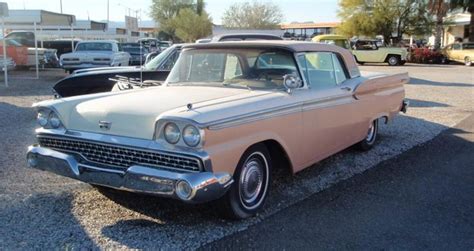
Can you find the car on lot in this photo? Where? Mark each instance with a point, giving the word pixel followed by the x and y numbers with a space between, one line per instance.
pixel 244 37
pixel 25 57
pixel 152 44
pixel 48 56
pixel 459 52
pixel 137 53
pixel 226 116
pixel 367 51
pixel 95 53
pixel 95 80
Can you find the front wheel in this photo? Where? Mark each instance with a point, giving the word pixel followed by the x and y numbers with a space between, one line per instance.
pixel 368 142
pixel 247 195
pixel 393 60
pixel 467 61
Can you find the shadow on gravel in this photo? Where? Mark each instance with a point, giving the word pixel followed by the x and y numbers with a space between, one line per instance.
pixel 40 222
pixel 419 81
pixel 423 103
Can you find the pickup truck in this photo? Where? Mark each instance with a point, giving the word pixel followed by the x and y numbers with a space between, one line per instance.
pixel 95 53
pixel 367 51
pixel 226 116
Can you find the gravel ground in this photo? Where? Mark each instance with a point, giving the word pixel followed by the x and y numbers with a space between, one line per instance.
pixel 41 210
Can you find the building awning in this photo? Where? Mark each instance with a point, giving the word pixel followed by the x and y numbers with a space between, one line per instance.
pixel 90 25
pixel 309 25
pixel 40 17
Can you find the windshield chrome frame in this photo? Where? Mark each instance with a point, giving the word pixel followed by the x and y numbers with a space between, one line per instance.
pixel 294 55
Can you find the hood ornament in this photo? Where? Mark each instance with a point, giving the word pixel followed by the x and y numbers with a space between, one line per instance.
pixel 189 106
pixel 105 125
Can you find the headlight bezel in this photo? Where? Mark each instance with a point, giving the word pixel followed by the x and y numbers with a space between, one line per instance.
pixel 161 124
pixel 42 117
pixel 48 118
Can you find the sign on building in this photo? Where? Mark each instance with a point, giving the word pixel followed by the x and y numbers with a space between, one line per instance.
pixel 3 9
pixel 131 23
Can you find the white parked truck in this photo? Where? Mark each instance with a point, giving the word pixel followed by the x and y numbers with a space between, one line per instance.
pixel 91 54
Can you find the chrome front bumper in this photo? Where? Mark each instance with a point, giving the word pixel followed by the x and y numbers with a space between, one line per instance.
pixel 204 186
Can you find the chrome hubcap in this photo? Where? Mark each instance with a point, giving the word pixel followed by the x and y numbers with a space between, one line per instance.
pixel 371 133
pixel 392 60
pixel 253 181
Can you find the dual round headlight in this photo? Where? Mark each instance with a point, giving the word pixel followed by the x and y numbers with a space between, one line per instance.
pixel 48 119
pixel 191 135
pixel 172 133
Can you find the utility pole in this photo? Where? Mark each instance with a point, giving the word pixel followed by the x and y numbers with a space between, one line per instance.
pixel 108 5
pixel 61 5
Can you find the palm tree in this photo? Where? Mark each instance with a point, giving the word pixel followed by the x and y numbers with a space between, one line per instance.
pixel 439 8
pixel 465 5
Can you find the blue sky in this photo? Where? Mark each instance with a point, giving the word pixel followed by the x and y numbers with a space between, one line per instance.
pixel 293 10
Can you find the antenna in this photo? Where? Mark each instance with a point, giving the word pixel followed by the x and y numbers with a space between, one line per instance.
pixel 141 62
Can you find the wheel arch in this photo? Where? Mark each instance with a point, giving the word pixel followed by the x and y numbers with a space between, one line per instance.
pixel 392 54
pixel 278 154
pixel 385 117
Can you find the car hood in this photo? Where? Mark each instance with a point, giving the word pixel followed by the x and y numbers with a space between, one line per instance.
pixel 106 70
pixel 80 54
pixel 134 113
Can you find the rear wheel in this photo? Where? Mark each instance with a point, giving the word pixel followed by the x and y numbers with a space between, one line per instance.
pixel 393 60
pixel 368 142
pixel 249 191
pixel 467 61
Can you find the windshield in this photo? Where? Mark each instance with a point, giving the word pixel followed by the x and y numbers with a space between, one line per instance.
pixel 135 50
pixel 246 68
pixel 339 42
pixel 156 61
pixel 468 46
pixel 10 42
pixel 164 45
pixel 94 47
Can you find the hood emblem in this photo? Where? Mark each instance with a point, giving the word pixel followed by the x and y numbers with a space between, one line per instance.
pixel 105 125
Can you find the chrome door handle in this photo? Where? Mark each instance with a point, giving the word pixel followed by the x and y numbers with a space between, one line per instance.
pixel 346 88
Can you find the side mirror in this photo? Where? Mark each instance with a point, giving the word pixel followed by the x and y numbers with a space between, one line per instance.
pixel 291 81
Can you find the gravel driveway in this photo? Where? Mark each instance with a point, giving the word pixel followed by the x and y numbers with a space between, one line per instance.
pixel 41 210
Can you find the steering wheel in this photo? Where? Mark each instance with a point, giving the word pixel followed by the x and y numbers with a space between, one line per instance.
pixel 265 75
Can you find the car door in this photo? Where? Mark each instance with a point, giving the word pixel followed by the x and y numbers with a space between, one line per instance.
pixel 448 51
pixel 328 119
pixel 366 51
pixel 456 52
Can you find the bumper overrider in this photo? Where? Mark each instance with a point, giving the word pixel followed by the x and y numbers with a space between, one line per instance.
pixel 405 104
pixel 194 187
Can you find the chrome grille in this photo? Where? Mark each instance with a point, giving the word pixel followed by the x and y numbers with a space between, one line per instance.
pixel 119 156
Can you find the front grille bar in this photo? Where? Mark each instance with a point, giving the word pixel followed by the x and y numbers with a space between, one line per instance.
pixel 120 156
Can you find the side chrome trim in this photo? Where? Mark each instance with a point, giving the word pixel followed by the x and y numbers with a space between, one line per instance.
pixel 275 112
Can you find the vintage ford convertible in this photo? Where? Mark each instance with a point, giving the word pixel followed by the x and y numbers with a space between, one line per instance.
pixel 226 116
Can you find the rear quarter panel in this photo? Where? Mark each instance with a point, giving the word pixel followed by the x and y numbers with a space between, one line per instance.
pixel 382 95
